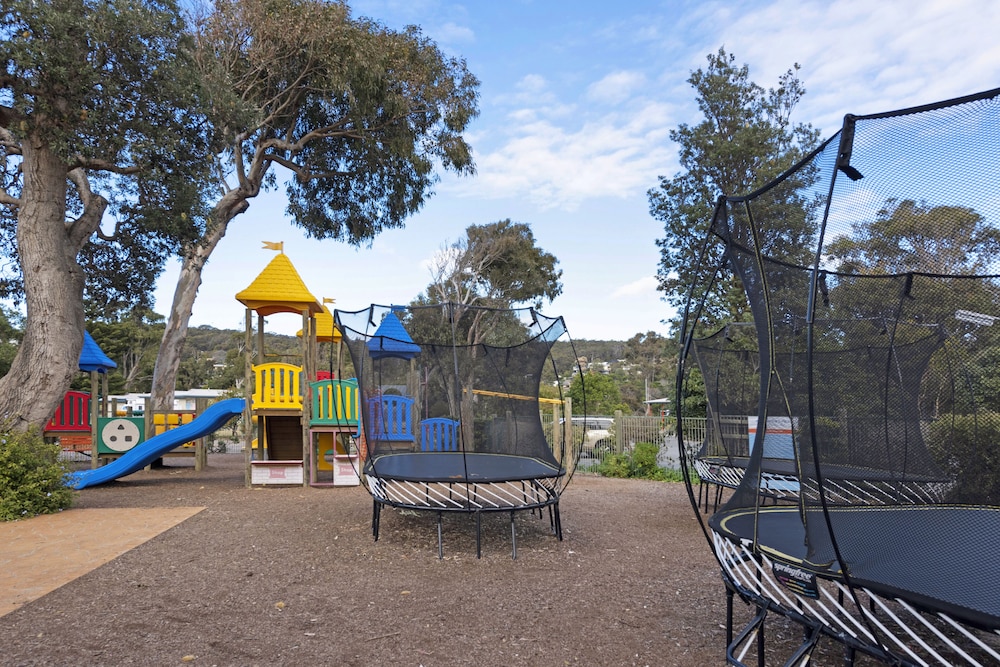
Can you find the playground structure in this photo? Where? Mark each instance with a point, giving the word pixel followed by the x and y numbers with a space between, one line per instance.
pixel 118 445
pixel 75 419
pixel 304 421
pixel 144 453
pixel 89 424
pixel 854 416
pixel 451 417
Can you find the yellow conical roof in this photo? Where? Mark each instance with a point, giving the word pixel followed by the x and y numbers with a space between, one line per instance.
pixel 279 289
pixel 326 332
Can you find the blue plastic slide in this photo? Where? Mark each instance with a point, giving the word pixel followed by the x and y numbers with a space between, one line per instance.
pixel 146 452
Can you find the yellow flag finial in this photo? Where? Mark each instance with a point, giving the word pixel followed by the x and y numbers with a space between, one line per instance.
pixel 274 245
pixel 327 299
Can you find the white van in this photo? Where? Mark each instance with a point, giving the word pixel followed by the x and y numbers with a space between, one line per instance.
pixel 596 429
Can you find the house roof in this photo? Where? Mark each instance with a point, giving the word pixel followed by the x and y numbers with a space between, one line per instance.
pixel 279 289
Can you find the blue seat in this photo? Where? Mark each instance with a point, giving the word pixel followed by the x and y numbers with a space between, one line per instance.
pixel 392 418
pixel 439 434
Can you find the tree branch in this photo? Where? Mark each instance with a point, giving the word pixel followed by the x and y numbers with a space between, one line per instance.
pixel 81 162
pixel 94 206
pixel 9 143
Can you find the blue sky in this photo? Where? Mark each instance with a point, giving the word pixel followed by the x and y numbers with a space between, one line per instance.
pixel 577 101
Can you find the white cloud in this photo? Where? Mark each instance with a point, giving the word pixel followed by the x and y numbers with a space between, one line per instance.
pixel 642 287
pixel 453 33
pixel 558 155
pixel 616 87
pixel 862 57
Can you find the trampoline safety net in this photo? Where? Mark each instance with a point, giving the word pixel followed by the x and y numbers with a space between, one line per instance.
pixel 478 367
pixel 450 407
pixel 862 392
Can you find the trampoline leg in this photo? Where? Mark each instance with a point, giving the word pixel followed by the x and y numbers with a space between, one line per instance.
pixel 376 518
pixel 761 661
pixel 440 544
pixel 729 616
pixel 513 538
pixel 754 631
pixel 555 507
pixel 479 535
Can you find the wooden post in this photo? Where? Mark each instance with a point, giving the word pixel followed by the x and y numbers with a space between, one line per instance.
pixel 559 445
pixel 93 419
pixel 201 446
pixel 248 391
pixel 308 374
pixel 568 437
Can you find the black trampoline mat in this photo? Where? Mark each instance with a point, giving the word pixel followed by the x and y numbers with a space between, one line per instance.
pixel 940 557
pixel 460 467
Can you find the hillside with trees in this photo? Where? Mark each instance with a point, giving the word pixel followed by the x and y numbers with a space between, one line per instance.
pixel 213 358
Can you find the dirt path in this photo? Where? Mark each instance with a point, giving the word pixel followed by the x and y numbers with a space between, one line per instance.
pixel 282 576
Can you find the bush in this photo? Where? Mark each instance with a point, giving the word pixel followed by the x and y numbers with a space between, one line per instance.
pixel 32 479
pixel 639 463
pixel 965 446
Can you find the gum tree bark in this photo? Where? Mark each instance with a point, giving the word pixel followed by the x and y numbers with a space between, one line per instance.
pixel 48 245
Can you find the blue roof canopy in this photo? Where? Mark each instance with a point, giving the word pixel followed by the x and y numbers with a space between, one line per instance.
pixel 92 357
pixel 392 340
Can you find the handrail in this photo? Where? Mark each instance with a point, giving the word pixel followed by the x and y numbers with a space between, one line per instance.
pixel 334 403
pixel 277 386
pixel 72 415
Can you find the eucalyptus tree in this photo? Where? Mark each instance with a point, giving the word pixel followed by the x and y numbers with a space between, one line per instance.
pixel 354 116
pixel 496 266
pixel 745 140
pixel 98 113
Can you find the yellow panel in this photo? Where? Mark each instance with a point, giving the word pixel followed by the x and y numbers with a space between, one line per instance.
pixel 277 386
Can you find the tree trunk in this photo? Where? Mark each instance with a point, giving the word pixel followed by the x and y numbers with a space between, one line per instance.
pixel 168 359
pixel 49 355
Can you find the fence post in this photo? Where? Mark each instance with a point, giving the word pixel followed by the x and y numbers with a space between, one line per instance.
pixel 619 438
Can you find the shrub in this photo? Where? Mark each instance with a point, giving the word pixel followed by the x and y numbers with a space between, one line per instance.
pixel 32 479
pixel 639 463
pixel 615 465
pixel 965 448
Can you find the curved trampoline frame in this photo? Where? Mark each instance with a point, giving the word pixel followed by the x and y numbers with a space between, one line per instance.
pixel 465 482
pixel 854 488
pixel 900 627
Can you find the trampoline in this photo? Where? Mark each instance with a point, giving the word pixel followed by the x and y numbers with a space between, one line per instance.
pixel 852 401
pixel 452 419
pixel 730 366
pixel 900 571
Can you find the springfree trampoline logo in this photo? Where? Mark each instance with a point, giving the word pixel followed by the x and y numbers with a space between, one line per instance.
pixel 796 579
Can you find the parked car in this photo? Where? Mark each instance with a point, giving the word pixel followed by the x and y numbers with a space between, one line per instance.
pixel 596 430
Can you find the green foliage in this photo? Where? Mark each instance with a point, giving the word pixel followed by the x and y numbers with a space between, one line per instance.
pixel 109 89
pixel 595 394
pixel 11 332
pixel 639 463
pixel 496 265
pixel 31 476
pixel 965 448
pixel 744 141
pixel 361 115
